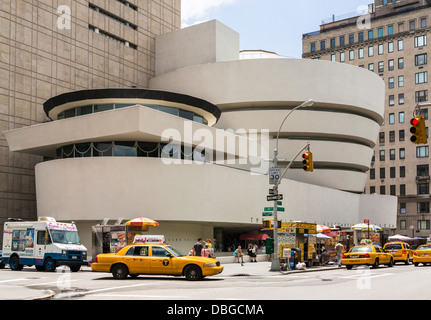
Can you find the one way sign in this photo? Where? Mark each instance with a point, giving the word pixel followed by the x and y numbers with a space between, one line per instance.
pixel 274 198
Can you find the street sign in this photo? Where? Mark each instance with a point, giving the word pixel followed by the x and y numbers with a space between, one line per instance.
pixel 366 221
pixel 271 191
pixel 274 198
pixel 274 175
pixel 268 209
pixel 267 214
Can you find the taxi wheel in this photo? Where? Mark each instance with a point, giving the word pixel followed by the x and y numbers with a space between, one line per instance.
pixel 375 264
pixel 120 271
pixel 193 273
pixel 391 263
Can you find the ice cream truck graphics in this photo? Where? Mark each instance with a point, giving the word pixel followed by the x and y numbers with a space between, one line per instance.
pixel 45 244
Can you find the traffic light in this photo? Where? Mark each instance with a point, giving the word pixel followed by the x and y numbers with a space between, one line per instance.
pixel 269 224
pixel 418 130
pixel 308 161
pixel 266 224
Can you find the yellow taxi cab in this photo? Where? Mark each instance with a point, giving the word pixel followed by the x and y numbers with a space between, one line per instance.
pixel 401 251
pixel 160 259
pixel 422 255
pixel 371 255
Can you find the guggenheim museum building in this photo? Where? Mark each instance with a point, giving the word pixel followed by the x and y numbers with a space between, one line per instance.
pixel 193 150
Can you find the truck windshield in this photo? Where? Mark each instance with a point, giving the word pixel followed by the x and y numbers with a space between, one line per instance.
pixel 65 237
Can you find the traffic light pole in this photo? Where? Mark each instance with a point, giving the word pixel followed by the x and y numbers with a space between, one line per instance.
pixel 275 264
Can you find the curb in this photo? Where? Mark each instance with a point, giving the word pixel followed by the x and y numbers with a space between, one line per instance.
pixel 311 270
pixel 275 273
pixel 50 294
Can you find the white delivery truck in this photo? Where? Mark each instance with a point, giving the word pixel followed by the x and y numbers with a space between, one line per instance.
pixel 45 244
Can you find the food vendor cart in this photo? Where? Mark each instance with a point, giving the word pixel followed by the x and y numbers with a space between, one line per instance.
pixel 112 238
pixel 299 235
pixel 366 231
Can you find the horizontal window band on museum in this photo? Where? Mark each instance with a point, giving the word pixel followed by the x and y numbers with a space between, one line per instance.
pixel 112 16
pixel 130 93
pixel 94 108
pixel 332 109
pixel 327 166
pixel 138 149
pixel 112 37
pixel 325 137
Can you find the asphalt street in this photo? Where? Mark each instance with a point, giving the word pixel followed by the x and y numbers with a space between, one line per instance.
pixel 253 281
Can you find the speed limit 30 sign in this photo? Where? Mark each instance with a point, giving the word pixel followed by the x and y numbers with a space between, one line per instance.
pixel 274 175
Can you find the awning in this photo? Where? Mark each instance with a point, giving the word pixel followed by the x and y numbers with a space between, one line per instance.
pixel 253 237
pixel 398 237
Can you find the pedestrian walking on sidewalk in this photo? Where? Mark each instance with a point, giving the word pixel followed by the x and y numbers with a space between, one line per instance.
pixel 339 248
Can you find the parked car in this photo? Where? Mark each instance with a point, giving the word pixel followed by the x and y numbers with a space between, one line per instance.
pixel 422 255
pixel 370 255
pixel 153 259
pixel 401 251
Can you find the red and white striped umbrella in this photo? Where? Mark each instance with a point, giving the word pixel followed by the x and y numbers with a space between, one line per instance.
pixel 321 228
pixel 142 222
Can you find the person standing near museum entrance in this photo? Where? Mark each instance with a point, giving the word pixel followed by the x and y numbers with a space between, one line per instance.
pixel 197 248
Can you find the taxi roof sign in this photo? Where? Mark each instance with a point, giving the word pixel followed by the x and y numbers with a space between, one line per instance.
pixel 149 239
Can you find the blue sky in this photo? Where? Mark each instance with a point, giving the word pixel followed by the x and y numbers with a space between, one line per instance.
pixel 273 25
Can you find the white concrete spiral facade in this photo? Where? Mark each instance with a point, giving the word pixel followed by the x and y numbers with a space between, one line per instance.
pixel 342 126
pixel 189 199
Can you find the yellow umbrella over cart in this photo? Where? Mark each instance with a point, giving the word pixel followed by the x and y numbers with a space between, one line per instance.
pixel 145 223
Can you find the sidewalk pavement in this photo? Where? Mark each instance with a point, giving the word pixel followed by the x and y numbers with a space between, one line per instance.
pixel 264 269
pixel 9 292
pixel 248 269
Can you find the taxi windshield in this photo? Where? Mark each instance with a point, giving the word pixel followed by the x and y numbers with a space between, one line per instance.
pixel 65 237
pixel 424 248
pixel 361 249
pixel 174 251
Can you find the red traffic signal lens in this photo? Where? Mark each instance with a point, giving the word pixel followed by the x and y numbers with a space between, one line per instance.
pixel 305 156
pixel 414 122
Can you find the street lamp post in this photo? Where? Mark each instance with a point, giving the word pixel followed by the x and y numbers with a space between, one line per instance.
pixel 275 265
